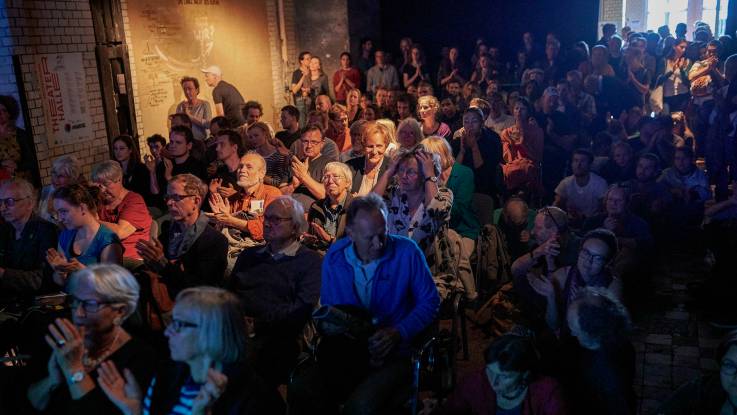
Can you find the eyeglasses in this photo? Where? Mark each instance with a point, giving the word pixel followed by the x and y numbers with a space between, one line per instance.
pixel 177 325
pixel 333 178
pixel 276 219
pixel 89 306
pixel 176 197
pixel 407 172
pixel 10 202
pixel 588 256
pixel 311 143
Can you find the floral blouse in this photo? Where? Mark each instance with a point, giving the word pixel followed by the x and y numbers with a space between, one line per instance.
pixel 427 221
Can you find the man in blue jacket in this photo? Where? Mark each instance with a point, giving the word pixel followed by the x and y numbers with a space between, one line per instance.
pixel 388 277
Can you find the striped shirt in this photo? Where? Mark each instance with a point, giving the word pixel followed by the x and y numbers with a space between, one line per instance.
pixel 187 395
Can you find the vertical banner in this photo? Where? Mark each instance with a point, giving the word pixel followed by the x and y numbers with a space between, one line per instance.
pixel 64 98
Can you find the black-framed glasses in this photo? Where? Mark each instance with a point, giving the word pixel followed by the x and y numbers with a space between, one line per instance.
pixel 588 256
pixel 89 306
pixel 176 197
pixel 177 325
pixel 10 202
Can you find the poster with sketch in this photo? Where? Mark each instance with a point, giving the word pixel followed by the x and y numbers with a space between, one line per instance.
pixel 63 93
pixel 175 38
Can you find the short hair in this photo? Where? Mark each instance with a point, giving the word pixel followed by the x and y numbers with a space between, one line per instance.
pixel 512 353
pixel 651 157
pixel 156 138
pixel 343 168
pixel 296 210
pixel 25 187
pixel 183 131
pixel 371 128
pixel 130 143
pixel 76 195
pixel 310 128
pixel 439 145
pixel 107 170
pixel 481 104
pixel 193 186
pixel 111 282
pixel 221 332
pixel 11 105
pixel 183 117
pixel 259 157
pixel 584 152
pixel 220 121
pixel 250 105
pixel 302 55
pixel 234 138
pixel 554 217
pixel 475 111
pixel 624 145
pixel 368 203
pixel 291 110
pixel 600 315
pixel 607 237
pixel 413 125
pixel 190 79
pixel 67 165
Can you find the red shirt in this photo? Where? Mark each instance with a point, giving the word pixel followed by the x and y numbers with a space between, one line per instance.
pixel 256 226
pixel 352 75
pixel 134 211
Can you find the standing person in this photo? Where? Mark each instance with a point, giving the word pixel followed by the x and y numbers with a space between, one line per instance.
pixel 346 78
pixel 16 144
pixel 451 68
pixel 135 174
pixel 366 60
pixel 197 110
pixel 300 76
pixel 318 80
pixel 481 150
pixel 415 71
pixel 228 101
pixel 675 79
pixel 427 110
pixel 381 74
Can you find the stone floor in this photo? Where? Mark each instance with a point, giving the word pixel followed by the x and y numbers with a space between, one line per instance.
pixel 673 341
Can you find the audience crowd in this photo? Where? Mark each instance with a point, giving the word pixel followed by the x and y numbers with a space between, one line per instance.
pixel 234 258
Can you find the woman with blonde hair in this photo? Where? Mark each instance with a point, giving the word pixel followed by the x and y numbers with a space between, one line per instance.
pixel 427 109
pixel 368 168
pixel 353 105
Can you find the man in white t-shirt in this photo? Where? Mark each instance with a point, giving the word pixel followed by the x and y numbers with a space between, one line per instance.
pixel 498 120
pixel 581 193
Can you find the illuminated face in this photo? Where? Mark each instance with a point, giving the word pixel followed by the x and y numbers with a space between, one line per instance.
pixel 592 258
pixel 409 175
pixel 185 207
pixel 380 97
pixel 211 79
pixel 312 143
pixel 251 171
pixel 374 148
pixel 454 88
pixel 345 62
pixel 504 382
pixel 368 234
pixel 110 190
pixel 224 149
pixel 407 137
pixel 336 184
pixel 315 64
pixel 121 152
pixel 254 114
pixel 305 61
pixel 353 98
pixel 425 110
pixel 190 91
pixel 178 146
pixel 72 217
pixel 183 342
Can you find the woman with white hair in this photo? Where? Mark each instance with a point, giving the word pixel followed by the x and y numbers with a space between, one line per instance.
pixel 207 372
pixel 65 170
pixel 327 216
pixel 101 297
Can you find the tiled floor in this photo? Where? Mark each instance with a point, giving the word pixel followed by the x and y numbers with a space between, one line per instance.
pixel 674 343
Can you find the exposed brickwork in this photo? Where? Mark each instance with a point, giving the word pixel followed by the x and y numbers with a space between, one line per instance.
pixel 29 28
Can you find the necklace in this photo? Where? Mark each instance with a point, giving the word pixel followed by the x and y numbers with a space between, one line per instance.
pixel 90 363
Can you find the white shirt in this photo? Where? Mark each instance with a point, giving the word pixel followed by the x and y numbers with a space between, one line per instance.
pixel 587 199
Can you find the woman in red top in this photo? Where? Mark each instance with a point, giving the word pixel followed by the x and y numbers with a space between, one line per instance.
pixel 346 78
pixel 522 148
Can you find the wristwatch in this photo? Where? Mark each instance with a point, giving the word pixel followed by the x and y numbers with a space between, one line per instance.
pixel 76 377
pixel 433 179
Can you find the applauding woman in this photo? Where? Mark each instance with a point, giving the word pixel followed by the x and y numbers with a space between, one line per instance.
pixel 102 297
pixel 207 374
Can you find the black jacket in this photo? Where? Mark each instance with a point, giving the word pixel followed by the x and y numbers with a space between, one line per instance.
pixel 357 166
pixel 24 260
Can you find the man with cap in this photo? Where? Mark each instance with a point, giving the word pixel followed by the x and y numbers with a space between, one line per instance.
pixel 228 101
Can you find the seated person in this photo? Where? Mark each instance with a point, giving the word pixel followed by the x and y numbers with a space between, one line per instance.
pixel 65 170
pixel 552 240
pixel 713 393
pixel 508 383
pixel 259 139
pixel 621 166
pixel 387 276
pixel 307 170
pixel 208 371
pixel 326 217
pixel 24 240
pixel 84 241
pixel 633 233
pixel 649 199
pixel 122 211
pixel 419 205
pixel 228 150
pixel 367 168
pixel 580 194
pixel 178 159
pixel 686 182
pixel 102 297
pixel 135 173
pixel 289 120
pixel 560 288
pixel 242 220
pixel 155 163
pixel 356 149
pixel 329 150
pixel 522 149
pixel 601 364
pixel 278 285
pixel 188 252
pixel 515 221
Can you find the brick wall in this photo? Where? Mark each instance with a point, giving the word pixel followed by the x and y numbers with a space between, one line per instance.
pixel 29 28
pixel 610 11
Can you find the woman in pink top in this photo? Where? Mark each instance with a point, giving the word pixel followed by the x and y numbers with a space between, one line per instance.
pixel 522 149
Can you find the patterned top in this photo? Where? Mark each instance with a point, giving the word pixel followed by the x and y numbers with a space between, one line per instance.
pixel 187 395
pixel 427 221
